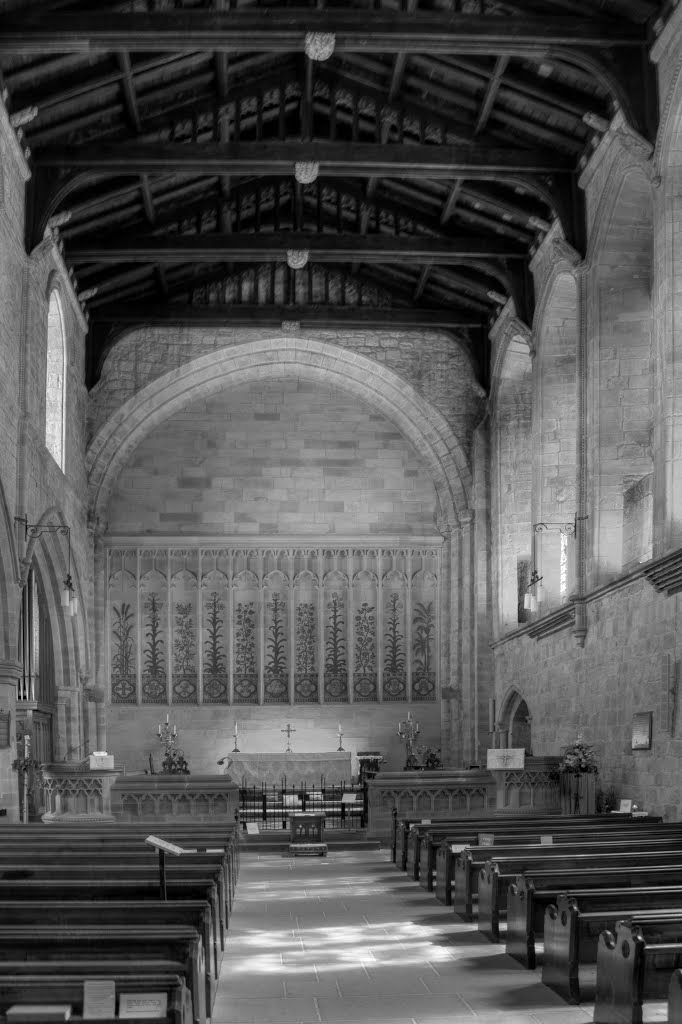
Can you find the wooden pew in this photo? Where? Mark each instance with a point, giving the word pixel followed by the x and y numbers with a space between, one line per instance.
pixel 189 913
pixel 496 876
pixel 573 926
pixel 223 838
pixel 469 863
pixel 675 998
pixel 44 887
pixel 529 896
pixel 80 866
pixel 442 855
pixel 48 987
pixel 410 830
pixel 635 965
pixel 175 944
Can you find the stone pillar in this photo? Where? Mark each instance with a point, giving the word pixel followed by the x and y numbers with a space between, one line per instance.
pixel 450 632
pixel 668 317
pixel 465 610
pixel 481 593
pixel 10 673
pixel 666 295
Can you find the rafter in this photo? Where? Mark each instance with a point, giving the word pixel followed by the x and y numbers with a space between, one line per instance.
pixel 491 91
pixel 283 31
pixel 364 159
pixel 331 248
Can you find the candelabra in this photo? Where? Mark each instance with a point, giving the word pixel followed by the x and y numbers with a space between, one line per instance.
pixel 174 762
pixel 340 746
pixel 408 732
pixel 235 735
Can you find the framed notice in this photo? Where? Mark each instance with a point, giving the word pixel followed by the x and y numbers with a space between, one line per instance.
pixel 641 730
pixel 506 759
pixel 142 1004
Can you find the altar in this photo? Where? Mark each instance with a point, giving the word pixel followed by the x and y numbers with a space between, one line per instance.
pixel 331 768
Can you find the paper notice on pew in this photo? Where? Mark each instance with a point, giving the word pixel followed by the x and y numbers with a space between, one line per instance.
pixel 547 840
pixel 142 1004
pixel 252 828
pixel 99 999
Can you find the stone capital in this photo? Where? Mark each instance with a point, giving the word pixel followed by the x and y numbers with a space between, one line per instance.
pixel 10 671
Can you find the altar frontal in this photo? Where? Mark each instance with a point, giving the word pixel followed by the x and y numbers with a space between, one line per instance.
pixel 330 768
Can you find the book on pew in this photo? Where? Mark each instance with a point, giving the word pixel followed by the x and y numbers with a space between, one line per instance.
pixel 38 1011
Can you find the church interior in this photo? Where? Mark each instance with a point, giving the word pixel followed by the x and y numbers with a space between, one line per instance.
pixel 339 479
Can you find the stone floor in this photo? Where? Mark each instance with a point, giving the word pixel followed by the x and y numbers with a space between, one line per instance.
pixel 348 939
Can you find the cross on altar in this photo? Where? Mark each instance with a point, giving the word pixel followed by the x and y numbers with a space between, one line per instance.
pixel 289 729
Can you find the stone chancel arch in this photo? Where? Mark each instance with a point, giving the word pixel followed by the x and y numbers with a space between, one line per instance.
pixel 277 359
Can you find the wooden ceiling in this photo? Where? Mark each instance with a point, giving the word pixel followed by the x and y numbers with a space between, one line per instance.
pixel 449 135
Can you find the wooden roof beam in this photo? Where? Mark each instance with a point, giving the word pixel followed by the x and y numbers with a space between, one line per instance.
pixel 284 31
pixel 235 314
pixel 268 247
pixel 339 158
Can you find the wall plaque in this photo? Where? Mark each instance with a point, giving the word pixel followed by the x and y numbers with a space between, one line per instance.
pixel 641 730
pixel 506 759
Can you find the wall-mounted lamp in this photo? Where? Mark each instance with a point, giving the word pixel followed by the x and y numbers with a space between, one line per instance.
pixel 68 598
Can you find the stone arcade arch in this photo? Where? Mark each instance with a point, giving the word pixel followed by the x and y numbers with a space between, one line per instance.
pixel 554 434
pixel 511 401
pixel 9 666
pixel 621 341
pixel 307 359
pixel 514 723
pixel 49 555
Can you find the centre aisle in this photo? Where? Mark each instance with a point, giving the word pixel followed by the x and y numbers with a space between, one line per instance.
pixel 348 938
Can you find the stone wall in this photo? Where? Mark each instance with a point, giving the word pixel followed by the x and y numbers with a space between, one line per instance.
pixel 205 733
pixel 32 486
pixel 274 458
pixel 628 665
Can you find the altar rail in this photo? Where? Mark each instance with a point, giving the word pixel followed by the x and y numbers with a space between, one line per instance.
pixel 271 806
pixel 459 792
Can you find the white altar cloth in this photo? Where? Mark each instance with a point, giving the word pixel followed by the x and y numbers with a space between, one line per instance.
pixel 314 769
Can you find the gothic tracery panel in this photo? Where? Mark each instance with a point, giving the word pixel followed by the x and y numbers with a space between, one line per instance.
pixel 253 625
pixel 245 631
pixel 276 667
pixel 394 636
pixel 306 688
pixel 336 637
pixel 123 641
pixel 215 648
pixel 424 636
pixel 154 604
pixel 365 636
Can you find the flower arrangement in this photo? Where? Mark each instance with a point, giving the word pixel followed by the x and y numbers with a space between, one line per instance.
pixel 578 757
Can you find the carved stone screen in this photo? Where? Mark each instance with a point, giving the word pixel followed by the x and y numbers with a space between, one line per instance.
pixel 272 625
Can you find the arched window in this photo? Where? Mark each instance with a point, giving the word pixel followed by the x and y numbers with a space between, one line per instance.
pixel 55 380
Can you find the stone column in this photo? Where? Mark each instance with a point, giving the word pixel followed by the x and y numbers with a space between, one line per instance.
pixel 668 324
pixel 666 295
pixel 481 594
pixel 10 673
pixel 467 618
